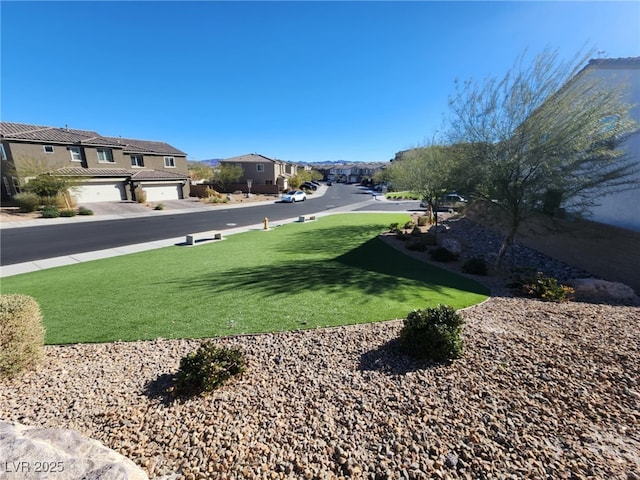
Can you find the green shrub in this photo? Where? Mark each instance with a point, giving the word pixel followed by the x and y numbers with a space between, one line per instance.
pixel 207 368
pixel 475 266
pixel 67 213
pixel 409 225
pixel 21 334
pixel 84 211
pixel 50 212
pixel 542 287
pixel 394 228
pixel 159 206
pixel 27 202
pixel 432 333
pixel 442 254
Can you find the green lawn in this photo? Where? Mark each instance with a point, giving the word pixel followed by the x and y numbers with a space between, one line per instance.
pixel 333 271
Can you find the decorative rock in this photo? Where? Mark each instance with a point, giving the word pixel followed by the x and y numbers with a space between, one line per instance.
pixel 35 453
pixel 596 288
pixel 452 245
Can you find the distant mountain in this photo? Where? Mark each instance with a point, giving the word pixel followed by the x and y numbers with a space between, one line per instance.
pixel 212 162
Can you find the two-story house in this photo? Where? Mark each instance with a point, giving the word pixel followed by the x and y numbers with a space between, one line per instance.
pixel 102 168
pixel 266 175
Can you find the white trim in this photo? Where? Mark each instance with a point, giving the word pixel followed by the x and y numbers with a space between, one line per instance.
pixel 44 147
pixel 172 161
pixel 109 155
pixel 77 150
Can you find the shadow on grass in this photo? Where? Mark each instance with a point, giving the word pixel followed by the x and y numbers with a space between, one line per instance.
pixel 371 267
pixel 388 359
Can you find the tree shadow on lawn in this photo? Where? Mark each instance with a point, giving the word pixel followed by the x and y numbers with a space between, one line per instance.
pixel 372 267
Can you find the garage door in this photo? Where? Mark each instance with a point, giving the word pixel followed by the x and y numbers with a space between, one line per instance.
pixel 157 193
pixel 100 192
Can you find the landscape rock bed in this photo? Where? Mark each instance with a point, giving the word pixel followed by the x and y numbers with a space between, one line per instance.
pixel 543 391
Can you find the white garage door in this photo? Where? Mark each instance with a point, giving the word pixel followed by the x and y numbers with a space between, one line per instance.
pixel 100 192
pixel 157 193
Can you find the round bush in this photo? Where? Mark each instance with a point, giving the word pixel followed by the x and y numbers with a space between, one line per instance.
pixel 21 334
pixel 432 333
pixel 84 211
pixel 207 368
pixel 67 213
pixel 50 212
pixel 441 254
pixel 27 202
pixel 475 266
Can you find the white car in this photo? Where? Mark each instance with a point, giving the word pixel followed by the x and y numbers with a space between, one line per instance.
pixel 294 196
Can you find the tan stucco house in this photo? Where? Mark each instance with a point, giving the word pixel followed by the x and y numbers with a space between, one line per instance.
pixel 103 168
pixel 266 175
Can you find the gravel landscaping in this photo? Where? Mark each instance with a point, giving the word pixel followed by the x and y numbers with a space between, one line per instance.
pixel 543 390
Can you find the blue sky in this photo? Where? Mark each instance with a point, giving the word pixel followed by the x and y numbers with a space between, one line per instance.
pixel 298 81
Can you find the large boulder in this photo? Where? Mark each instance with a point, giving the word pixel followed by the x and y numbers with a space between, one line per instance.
pixel 602 289
pixel 38 453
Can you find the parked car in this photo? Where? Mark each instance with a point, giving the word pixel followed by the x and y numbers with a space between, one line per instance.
pixel 329 183
pixel 309 186
pixel 450 201
pixel 294 196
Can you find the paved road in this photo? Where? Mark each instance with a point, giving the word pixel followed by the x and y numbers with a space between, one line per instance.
pixel 41 242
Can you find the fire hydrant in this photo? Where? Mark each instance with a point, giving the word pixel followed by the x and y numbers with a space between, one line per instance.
pixel 265 223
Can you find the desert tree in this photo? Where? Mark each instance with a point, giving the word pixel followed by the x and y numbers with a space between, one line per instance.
pixel 546 129
pixel 224 175
pixel 427 172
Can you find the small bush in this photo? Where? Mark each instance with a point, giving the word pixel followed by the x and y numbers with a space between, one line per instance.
pixel 21 334
pixel 442 254
pixel 67 213
pixel 542 287
pixel 394 228
pixel 27 202
pixel 432 333
pixel 159 206
pixel 50 212
pixel 207 368
pixel 423 221
pixel 84 211
pixel 475 266
pixel 141 195
pixel 408 226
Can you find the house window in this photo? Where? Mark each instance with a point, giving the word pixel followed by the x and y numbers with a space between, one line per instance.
pixel 76 154
pixel 287 168
pixel 48 149
pixel 260 167
pixel 104 155
pixel 137 161
pixel 16 184
pixel 169 162
pixel 4 154
pixel 268 182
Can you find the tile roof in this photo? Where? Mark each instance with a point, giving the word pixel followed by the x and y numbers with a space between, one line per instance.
pixel 615 62
pixel 142 175
pixel 93 172
pixel 146 146
pixel 38 133
pixel 139 175
pixel 250 158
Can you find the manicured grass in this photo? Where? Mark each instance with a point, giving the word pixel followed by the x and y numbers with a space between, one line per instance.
pixel 402 196
pixel 333 271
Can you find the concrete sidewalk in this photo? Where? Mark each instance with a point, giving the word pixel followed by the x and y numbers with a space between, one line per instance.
pixel 26 267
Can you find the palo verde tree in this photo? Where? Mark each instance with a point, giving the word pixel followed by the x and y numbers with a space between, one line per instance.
pixel 427 172
pixel 544 129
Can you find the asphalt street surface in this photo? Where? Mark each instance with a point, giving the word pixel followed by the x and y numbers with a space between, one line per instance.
pixel 41 242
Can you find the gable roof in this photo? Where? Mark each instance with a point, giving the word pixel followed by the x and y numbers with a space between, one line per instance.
pixel 38 133
pixel 250 158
